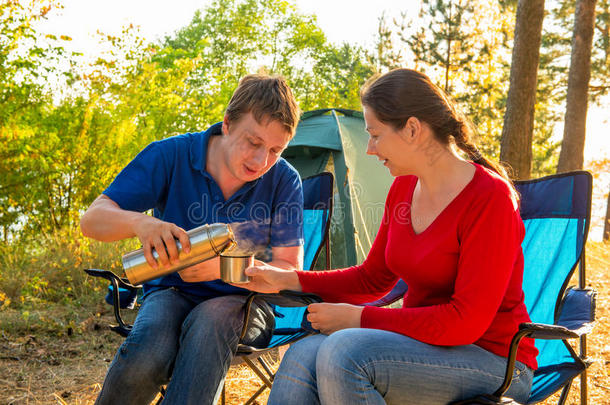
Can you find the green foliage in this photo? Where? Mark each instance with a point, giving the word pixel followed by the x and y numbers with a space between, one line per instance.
pixel 556 48
pixel 464 47
pixel 447 44
pixel 61 148
pixel 600 60
pixel 49 269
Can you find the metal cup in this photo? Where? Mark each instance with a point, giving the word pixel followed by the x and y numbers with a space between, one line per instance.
pixel 232 268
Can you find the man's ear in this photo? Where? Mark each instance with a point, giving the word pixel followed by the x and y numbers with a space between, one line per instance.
pixel 225 125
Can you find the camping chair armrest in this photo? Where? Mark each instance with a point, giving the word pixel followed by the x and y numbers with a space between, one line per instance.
pixel 108 275
pixel 122 328
pixel 532 330
pixel 547 332
pixel 285 298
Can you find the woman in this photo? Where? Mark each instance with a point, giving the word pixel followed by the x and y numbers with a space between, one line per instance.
pixel 451 229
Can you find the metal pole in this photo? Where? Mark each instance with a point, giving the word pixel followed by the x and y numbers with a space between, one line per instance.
pixel 583 339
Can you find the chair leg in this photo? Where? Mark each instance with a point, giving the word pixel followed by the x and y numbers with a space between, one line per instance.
pixel 583 388
pixel 267 368
pixel 255 395
pixel 267 379
pixel 258 371
pixel 564 393
pixel 162 390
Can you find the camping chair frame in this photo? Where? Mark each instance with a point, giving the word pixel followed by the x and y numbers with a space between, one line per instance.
pixel 244 353
pixel 565 326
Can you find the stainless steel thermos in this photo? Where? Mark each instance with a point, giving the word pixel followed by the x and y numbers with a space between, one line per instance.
pixel 207 241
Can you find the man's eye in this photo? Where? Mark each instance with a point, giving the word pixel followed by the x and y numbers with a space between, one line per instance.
pixel 255 144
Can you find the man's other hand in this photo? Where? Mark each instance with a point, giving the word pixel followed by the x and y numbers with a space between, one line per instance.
pixel 204 271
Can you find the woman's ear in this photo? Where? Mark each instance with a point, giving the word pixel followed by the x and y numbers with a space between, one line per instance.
pixel 412 129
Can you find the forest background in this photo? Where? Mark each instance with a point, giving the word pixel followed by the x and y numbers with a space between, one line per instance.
pixel 70 122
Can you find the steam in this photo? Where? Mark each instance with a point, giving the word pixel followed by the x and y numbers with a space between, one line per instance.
pixel 251 238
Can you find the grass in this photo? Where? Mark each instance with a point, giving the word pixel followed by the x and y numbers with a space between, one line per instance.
pixel 55 348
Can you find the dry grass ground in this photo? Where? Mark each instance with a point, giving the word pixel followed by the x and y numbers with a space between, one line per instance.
pixel 67 365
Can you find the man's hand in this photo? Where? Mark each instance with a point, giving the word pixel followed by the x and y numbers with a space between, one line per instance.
pixel 329 318
pixel 204 271
pixel 160 235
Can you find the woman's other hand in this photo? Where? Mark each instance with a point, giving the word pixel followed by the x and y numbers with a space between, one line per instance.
pixel 329 318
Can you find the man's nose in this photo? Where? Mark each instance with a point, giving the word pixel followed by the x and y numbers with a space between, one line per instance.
pixel 260 158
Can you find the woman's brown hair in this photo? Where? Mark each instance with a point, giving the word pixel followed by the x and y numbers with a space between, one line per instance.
pixel 404 93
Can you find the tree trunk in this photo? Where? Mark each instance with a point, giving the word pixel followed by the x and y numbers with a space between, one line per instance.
pixel 572 153
pixel 517 132
pixel 607 220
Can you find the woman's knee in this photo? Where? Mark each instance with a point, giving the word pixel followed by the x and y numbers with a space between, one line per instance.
pixel 338 352
pixel 299 361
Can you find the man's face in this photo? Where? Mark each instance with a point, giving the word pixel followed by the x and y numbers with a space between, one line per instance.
pixel 252 148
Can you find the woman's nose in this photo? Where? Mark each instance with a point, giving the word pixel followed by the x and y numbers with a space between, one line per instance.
pixel 370 148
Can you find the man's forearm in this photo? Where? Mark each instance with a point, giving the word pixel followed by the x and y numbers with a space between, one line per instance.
pixel 284 264
pixel 107 222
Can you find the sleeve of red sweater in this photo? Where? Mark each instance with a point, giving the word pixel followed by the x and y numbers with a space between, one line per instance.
pixel 358 284
pixel 490 237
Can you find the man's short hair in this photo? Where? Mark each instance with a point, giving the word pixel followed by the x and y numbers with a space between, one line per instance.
pixel 267 98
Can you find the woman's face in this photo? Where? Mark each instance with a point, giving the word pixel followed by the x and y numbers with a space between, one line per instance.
pixel 389 145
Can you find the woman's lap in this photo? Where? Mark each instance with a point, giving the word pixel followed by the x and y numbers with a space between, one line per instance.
pixel 375 366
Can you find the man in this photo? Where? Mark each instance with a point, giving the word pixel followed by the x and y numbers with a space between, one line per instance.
pixel 188 326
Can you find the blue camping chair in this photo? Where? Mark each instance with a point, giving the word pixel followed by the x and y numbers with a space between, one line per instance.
pixel 290 323
pixel 556 212
pixel 290 306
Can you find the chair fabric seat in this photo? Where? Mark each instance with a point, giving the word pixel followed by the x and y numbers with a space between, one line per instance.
pixel 548 380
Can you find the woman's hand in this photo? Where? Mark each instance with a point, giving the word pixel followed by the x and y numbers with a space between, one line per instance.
pixel 329 318
pixel 265 278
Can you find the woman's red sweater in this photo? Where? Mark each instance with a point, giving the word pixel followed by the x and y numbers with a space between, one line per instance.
pixel 464 271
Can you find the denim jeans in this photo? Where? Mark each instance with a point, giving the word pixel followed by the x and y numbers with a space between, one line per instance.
pixel 370 366
pixel 184 341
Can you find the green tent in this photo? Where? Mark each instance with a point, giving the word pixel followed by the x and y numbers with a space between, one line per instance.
pixel 335 140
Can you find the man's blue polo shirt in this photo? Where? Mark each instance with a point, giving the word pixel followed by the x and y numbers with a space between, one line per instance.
pixel 170 177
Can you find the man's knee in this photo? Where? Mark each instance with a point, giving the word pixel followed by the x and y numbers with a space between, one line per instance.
pixel 138 361
pixel 222 312
pixel 218 319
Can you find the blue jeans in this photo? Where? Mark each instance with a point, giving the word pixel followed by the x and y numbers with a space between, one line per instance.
pixel 370 366
pixel 185 341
